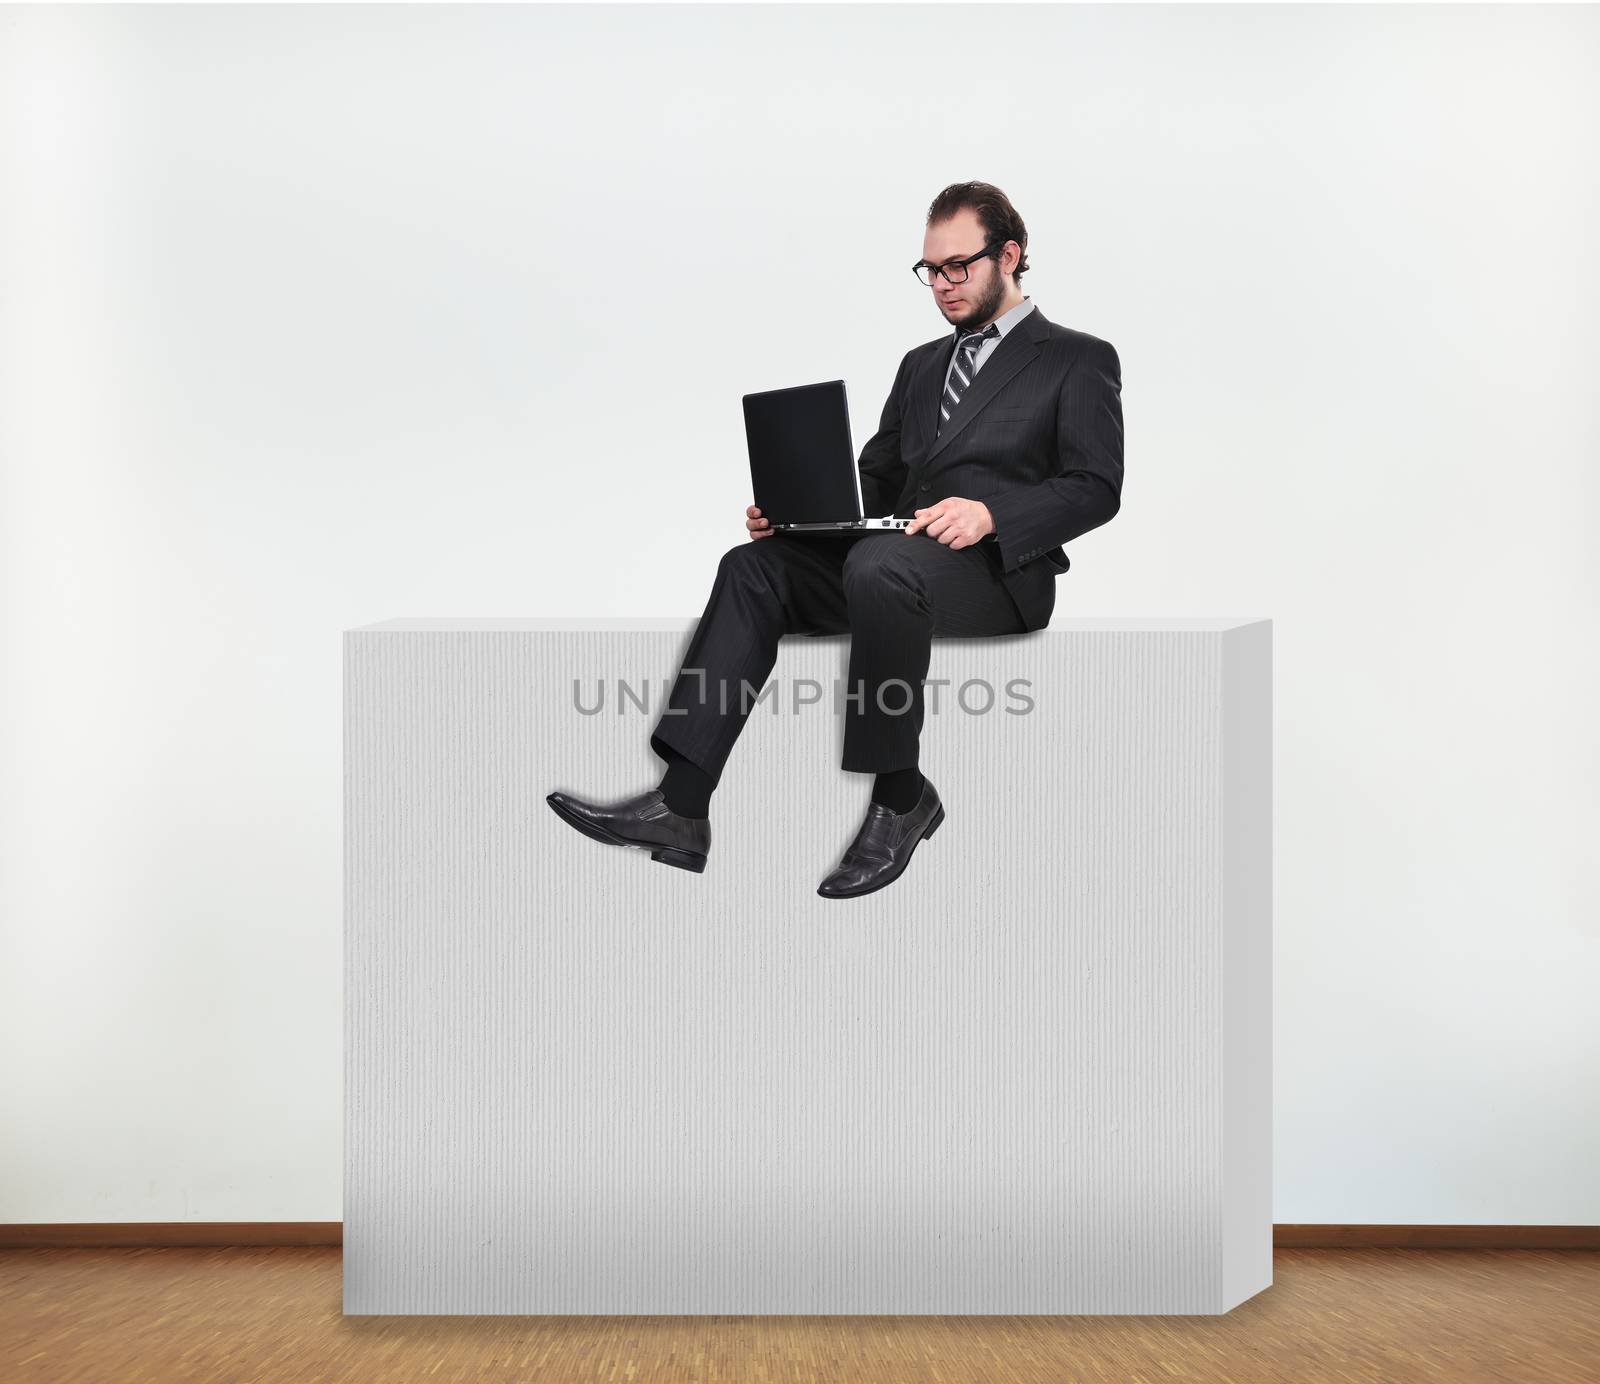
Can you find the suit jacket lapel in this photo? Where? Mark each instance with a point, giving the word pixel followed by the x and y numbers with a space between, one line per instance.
pixel 927 388
pixel 1019 346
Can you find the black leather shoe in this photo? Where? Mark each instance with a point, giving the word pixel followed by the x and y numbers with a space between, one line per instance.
pixel 882 848
pixel 643 821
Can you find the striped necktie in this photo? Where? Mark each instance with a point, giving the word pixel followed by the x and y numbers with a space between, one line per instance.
pixel 962 371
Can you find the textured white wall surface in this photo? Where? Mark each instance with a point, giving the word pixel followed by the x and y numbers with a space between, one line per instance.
pixel 312 314
pixel 1033 1075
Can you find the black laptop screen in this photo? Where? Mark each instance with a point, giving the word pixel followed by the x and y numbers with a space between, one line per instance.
pixel 802 465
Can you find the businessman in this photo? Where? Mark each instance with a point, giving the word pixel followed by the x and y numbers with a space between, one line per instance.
pixel 1001 440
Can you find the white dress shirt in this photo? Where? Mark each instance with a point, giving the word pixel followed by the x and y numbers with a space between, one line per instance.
pixel 1006 321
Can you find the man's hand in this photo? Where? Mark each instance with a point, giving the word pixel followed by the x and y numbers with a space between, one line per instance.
pixel 955 522
pixel 759 527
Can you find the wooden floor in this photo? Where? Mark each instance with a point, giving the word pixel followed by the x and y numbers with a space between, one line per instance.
pixel 1356 1316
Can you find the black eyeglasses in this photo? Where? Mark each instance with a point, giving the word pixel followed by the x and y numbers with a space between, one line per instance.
pixel 954 271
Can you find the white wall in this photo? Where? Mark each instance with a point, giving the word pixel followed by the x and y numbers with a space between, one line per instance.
pixel 317 317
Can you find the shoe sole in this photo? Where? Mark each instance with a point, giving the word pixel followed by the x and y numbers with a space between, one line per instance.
pixel 666 855
pixel 933 826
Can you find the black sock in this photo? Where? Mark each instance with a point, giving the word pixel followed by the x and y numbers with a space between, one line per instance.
pixel 686 786
pixel 898 791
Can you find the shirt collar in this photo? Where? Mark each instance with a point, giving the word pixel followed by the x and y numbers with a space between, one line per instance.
pixel 1007 320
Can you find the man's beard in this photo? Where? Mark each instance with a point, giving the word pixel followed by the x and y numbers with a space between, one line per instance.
pixel 983 310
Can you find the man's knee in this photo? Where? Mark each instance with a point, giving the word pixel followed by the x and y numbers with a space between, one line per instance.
pixel 883 562
pixel 745 559
pixel 747 567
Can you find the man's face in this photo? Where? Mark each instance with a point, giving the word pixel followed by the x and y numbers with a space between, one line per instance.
pixel 978 300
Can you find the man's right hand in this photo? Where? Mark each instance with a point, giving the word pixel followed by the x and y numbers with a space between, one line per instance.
pixel 759 527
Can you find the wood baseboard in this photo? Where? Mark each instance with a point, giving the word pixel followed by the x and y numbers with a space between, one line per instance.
pixel 175 1234
pixel 1436 1236
pixel 170 1234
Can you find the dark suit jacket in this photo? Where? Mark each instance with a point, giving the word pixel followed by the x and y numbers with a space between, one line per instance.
pixel 1037 437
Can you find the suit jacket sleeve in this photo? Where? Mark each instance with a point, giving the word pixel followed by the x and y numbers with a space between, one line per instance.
pixel 883 473
pixel 1087 490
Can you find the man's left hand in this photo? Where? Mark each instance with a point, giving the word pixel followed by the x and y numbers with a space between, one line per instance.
pixel 955 522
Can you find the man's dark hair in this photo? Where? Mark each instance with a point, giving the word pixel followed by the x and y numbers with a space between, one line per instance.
pixel 999 219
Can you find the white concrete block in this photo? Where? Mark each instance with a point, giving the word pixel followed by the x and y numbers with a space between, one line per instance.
pixel 1032 1076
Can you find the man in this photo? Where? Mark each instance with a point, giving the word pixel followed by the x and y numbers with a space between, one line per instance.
pixel 1002 441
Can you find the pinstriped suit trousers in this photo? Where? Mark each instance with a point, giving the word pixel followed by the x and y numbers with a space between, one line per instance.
pixel 891 592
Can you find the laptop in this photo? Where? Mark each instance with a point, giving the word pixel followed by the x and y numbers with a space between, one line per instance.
pixel 802 465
